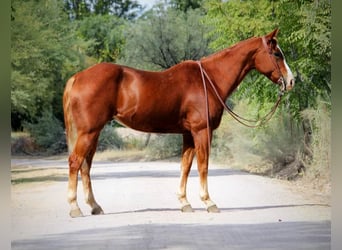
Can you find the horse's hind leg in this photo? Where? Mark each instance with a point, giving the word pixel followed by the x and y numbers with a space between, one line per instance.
pixel 74 166
pixel 187 157
pixel 77 161
pixel 87 188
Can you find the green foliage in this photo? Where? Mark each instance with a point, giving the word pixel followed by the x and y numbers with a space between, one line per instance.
pixel 165 37
pixel 234 20
pixel 305 32
pixel 165 146
pixel 48 133
pixel 311 50
pixel 105 35
pixel 53 39
pixel 81 9
pixel 271 141
pixel 77 9
pixel 126 9
pixel 44 53
pixel 281 147
pixel 185 5
pixel 109 138
pixel 304 37
pixel 319 140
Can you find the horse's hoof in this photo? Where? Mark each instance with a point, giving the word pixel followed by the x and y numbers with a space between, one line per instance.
pixel 97 210
pixel 187 209
pixel 76 213
pixel 213 209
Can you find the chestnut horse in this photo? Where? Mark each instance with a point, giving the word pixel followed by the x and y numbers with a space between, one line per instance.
pixel 172 101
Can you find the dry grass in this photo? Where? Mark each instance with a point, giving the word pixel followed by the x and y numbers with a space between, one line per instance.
pixel 122 155
pixel 318 173
pixel 278 149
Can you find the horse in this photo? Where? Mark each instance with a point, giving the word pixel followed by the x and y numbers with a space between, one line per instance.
pixel 176 100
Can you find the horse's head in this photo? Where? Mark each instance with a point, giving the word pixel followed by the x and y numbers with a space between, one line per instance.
pixel 270 61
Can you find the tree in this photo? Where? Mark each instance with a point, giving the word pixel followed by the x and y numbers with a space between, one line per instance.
pixel 165 37
pixel 105 35
pixel 44 52
pixel 79 9
pixel 304 37
pixel 185 5
pixel 309 43
pixel 126 9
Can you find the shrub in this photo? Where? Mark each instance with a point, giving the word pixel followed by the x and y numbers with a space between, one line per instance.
pixel 318 121
pixel 266 149
pixel 48 133
pixel 22 144
pixel 165 146
pixel 109 138
pixel 284 147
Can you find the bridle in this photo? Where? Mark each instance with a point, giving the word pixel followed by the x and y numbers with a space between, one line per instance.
pixel 275 64
pixel 243 121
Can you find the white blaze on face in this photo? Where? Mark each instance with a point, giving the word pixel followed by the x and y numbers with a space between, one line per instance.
pixel 289 76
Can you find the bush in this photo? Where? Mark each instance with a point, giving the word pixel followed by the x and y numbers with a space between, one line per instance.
pixel 48 133
pixel 22 144
pixel 165 146
pixel 284 147
pixel 266 150
pixel 319 142
pixel 109 138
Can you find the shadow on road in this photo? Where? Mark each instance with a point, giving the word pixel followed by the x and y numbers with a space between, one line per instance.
pixel 63 175
pixel 281 235
pixel 233 209
pixel 162 174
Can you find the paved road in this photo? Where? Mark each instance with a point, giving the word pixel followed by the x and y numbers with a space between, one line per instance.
pixel 142 210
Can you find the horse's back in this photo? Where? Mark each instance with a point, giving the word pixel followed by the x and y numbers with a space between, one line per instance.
pixel 143 100
pixel 98 74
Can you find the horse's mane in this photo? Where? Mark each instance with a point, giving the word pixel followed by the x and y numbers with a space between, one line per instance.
pixel 231 48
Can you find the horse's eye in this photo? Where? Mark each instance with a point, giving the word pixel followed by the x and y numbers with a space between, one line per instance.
pixel 277 54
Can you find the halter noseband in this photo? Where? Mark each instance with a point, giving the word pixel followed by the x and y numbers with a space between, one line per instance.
pixel 274 62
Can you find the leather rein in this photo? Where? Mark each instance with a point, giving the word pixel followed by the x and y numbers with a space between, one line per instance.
pixel 243 121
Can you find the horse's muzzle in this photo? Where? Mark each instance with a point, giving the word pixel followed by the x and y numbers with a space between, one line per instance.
pixel 286 84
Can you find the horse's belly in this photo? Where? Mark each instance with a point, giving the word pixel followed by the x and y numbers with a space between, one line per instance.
pixel 152 122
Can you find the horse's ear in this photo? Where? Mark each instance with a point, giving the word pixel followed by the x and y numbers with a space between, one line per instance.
pixel 272 35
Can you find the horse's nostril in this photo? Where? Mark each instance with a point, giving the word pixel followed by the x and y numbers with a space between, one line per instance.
pixel 292 82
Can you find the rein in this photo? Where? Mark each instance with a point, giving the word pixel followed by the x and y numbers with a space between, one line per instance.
pixel 243 121
pixel 206 102
pixel 238 118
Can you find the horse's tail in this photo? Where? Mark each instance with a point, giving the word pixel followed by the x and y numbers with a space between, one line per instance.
pixel 70 127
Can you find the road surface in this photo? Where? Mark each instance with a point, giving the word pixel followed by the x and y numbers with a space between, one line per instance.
pixel 142 211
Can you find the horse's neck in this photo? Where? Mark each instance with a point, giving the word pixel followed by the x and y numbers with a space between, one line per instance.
pixel 228 67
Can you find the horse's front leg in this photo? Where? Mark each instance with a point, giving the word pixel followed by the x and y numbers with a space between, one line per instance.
pixel 187 157
pixel 202 153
